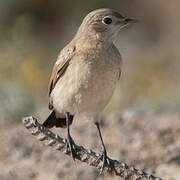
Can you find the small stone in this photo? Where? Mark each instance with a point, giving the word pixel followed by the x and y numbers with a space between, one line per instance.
pixel 89 151
pixel 29 125
pixel 84 158
pixel 59 147
pixel 64 141
pixel 132 168
pixel 35 132
pixel 123 165
pixel 140 172
pixel 42 138
pixel 25 120
pixel 51 142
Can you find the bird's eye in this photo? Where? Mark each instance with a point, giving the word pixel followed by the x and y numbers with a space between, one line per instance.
pixel 107 20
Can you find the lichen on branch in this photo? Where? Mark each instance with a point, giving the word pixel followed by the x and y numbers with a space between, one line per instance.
pixel 90 157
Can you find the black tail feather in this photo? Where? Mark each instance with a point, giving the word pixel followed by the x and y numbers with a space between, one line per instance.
pixel 52 121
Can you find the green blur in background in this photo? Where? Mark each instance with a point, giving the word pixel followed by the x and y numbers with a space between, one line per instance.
pixel 32 33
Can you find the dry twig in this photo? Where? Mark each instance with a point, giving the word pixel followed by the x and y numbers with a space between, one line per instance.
pixel 88 156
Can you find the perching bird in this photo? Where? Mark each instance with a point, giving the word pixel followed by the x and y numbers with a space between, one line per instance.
pixel 86 72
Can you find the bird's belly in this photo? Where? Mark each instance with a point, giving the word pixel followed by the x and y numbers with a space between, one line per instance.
pixel 84 89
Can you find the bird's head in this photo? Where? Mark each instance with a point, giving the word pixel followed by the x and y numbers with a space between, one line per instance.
pixel 106 23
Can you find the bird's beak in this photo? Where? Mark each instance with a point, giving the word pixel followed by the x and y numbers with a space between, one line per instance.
pixel 127 21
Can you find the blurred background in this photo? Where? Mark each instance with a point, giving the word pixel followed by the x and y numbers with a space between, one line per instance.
pixel 141 123
pixel 32 33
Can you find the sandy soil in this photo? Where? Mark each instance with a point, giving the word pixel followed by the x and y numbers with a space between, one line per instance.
pixel 150 142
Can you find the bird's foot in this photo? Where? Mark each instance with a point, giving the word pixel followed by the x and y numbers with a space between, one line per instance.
pixel 70 146
pixel 103 157
pixel 105 161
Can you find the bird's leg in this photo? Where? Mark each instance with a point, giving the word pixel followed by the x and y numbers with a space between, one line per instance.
pixel 104 153
pixel 70 146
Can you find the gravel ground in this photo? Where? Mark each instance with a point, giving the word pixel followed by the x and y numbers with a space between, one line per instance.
pixel 150 142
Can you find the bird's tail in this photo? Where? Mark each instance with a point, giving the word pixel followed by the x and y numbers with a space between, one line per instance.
pixel 52 121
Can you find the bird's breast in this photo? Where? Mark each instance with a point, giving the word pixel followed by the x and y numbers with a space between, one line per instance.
pixel 87 85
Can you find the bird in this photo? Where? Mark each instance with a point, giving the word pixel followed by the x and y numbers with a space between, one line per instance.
pixel 86 72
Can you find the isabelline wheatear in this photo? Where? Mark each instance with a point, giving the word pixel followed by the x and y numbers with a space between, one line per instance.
pixel 86 72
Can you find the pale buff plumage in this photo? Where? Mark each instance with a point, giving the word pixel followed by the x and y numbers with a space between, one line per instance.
pixel 86 73
pixel 88 68
pixel 89 80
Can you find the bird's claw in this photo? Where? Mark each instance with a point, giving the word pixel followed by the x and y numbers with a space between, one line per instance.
pixel 105 161
pixel 70 147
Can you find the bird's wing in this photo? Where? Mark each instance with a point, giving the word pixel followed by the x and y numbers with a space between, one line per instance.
pixel 59 69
